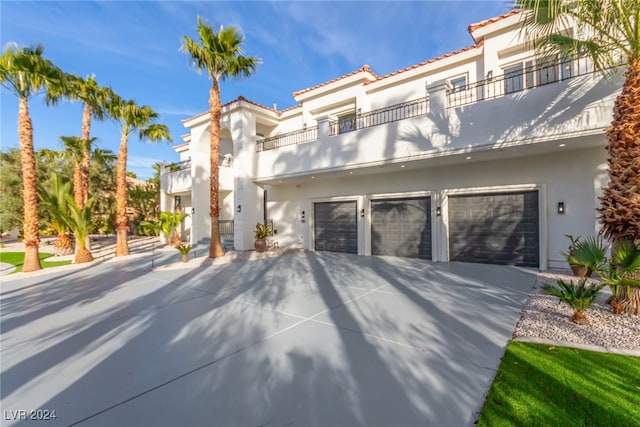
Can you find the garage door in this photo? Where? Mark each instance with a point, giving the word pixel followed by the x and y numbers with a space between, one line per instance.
pixel 495 228
pixel 336 227
pixel 401 227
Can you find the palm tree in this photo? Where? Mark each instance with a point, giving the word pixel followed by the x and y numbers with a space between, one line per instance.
pixel 26 73
pixel 53 196
pixel 221 56
pixel 608 32
pixel 79 220
pixel 94 99
pixel 75 150
pixel 131 119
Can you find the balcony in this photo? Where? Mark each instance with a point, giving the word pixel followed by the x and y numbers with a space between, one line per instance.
pixel 177 177
pixel 528 74
pixel 291 138
pixel 392 113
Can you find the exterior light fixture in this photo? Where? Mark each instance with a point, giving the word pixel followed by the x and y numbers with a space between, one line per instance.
pixel 193 210
pixel 302 216
pixel 239 208
pixel 361 213
pixel 438 211
pixel 561 208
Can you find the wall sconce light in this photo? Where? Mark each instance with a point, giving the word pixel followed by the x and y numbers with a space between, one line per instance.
pixel 561 208
pixel 438 211
pixel 193 210
pixel 239 208
pixel 361 213
pixel 302 215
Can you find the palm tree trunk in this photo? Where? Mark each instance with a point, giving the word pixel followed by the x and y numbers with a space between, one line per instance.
pixel 86 161
pixel 62 246
pixel 122 246
pixel 86 155
pixel 77 183
pixel 29 192
pixel 215 250
pixel 620 202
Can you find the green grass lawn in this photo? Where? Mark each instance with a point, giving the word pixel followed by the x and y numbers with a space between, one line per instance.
pixel 17 259
pixel 541 385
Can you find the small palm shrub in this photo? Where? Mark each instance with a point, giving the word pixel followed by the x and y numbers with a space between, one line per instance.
pixel 622 275
pixel 586 255
pixel 578 296
pixel 184 250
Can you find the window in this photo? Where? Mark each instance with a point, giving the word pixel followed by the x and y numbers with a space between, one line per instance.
pixel 347 123
pixel 458 83
pixel 513 79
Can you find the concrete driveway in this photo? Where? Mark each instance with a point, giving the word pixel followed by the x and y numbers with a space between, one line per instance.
pixel 307 339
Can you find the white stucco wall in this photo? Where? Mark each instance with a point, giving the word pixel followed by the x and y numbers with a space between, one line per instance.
pixel 573 177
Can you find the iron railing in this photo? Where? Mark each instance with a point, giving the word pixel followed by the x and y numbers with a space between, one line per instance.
pixel 533 73
pixel 224 161
pixel 290 138
pixel 225 227
pixel 392 113
pixel 175 167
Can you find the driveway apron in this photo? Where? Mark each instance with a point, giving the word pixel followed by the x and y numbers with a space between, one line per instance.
pixel 308 339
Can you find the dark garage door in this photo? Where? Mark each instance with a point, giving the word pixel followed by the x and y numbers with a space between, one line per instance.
pixel 401 227
pixel 495 228
pixel 336 227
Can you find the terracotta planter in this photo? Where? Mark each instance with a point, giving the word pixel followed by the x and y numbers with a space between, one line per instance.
pixel 185 257
pixel 580 271
pixel 260 245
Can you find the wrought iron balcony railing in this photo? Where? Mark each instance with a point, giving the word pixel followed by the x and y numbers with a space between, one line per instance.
pixel 290 138
pixel 392 113
pixel 533 72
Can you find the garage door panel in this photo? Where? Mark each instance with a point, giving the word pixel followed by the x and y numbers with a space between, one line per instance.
pixel 495 228
pixel 336 227
pixel 401 227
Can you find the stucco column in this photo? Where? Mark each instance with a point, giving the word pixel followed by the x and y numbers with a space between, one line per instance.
pixel 437 93
pixel 200 150
pixel 323 126
pixel 246 194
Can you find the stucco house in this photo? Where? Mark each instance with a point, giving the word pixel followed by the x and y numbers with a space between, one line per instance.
pixel 486 154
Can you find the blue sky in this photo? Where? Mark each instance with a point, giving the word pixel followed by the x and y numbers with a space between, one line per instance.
pixel 133 46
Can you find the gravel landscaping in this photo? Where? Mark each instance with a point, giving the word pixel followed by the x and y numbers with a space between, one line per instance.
pixel 545 318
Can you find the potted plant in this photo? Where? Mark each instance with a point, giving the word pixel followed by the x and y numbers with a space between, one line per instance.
pixel 579 297
pixel 184 250
pixel 261 233
pixel 585 256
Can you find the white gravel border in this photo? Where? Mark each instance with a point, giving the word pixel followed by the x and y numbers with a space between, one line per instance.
pixel 545 320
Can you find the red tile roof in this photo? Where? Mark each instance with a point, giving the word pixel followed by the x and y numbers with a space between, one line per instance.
pixel 428 61
pixel 364 68
pixel 240 98
pixel 486 22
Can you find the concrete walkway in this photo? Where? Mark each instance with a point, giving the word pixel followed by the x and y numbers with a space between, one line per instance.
pixel 308 339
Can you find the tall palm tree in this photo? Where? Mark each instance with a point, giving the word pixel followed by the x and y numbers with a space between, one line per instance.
pixel 94 99
pixel 221 57
pixel 131 119
pixel 25 72
pixel 608 32
pixel 75 149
